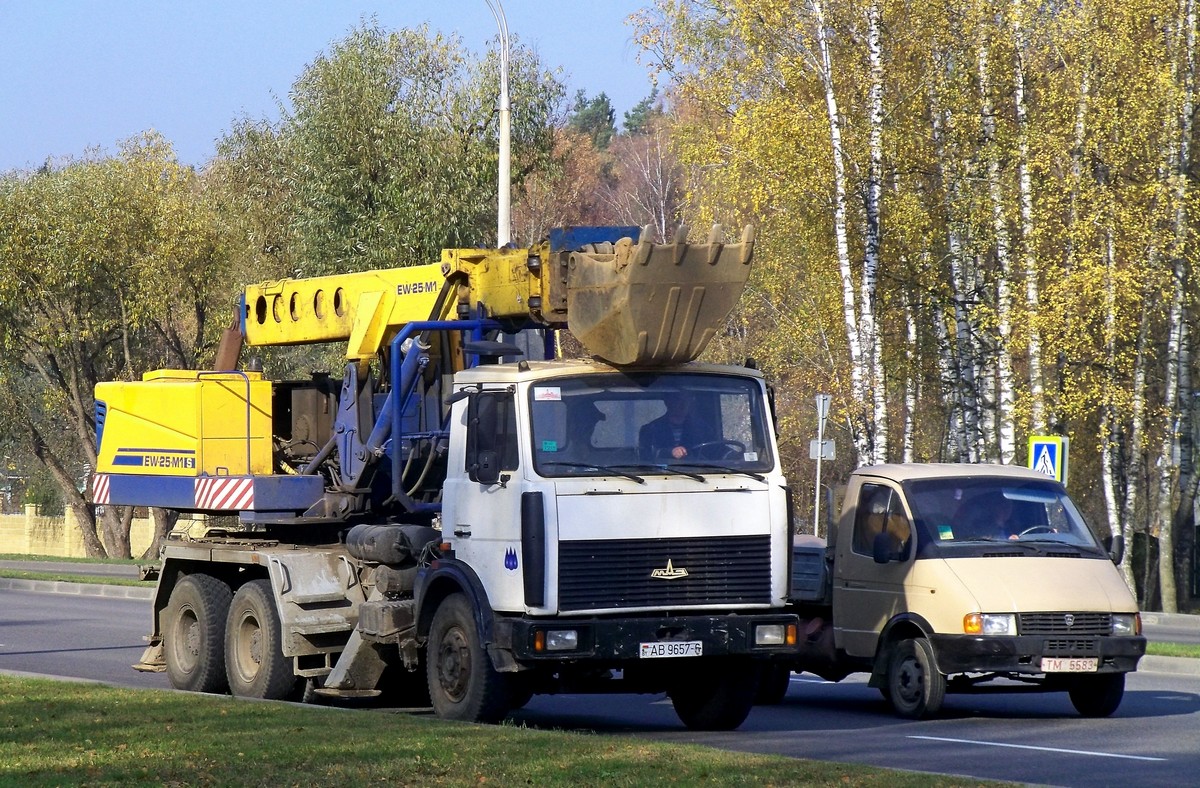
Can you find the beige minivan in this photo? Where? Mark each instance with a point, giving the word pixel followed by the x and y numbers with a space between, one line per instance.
pixel 956 578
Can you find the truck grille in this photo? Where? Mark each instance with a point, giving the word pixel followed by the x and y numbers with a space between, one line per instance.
pixel 1065 624
pixel 617 573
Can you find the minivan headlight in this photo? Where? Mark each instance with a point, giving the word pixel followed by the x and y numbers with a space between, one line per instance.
pixel 990 624
pixel 1126 624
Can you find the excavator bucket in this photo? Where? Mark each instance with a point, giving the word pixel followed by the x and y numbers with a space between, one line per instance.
pixel 647 303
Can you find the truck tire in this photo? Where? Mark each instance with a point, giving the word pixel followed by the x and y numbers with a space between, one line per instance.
pixel 406 688
pixel 719 699
pixel 1097 696
pixel 773 684
pixel 915 687
pixel 193 624
pixel 254 659
pixel 463 685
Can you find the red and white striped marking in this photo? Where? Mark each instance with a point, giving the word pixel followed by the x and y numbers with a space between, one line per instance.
pixel 100 489
pixel 225 492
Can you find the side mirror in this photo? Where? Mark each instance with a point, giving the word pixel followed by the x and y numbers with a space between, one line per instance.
pixel 486 469
pixel 881 550
pixel 484 446
pixel 1116 547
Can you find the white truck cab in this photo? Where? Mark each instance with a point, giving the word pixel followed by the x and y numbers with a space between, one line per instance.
pixel 624 528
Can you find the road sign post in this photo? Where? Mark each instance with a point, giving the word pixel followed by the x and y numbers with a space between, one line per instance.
pixel 822 414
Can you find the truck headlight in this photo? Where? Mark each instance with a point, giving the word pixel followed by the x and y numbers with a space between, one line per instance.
pixel 1127 624
pixel 771 635
pixel 562 639
pixel 990 624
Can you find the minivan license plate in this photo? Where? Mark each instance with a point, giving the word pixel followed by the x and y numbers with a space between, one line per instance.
pixel 672 648
pixel 1069 664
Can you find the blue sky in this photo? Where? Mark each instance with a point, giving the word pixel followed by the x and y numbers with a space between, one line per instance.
pixel 76 74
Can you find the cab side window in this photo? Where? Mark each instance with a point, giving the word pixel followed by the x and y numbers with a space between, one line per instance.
pixel 879 511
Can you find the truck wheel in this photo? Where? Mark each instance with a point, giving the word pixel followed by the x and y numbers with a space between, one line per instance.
pixel 463 685
pixel 915 687
pixel 192 626
pixel 1097 696
pixel 716 700
pixel 519 695
pixel 254 656
pixel 773 684
pixel 406 688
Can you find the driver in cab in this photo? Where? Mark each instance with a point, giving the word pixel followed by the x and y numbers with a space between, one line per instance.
pixel 670 435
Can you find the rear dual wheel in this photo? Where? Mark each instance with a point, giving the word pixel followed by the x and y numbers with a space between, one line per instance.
pixel 216 641
pixel 254 660
pixel 193 627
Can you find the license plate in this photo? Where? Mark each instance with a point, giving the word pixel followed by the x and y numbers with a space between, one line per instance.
pixel 1069 664
pixel 672 648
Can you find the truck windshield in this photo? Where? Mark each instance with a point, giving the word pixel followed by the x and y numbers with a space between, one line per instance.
pixel 686 424
pixel 981 510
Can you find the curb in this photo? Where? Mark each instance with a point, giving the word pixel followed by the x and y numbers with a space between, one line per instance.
pixel 77 589
pixel 1175 666
pixel 1182 620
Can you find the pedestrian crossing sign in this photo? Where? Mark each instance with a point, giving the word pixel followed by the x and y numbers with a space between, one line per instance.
pixel 1048 455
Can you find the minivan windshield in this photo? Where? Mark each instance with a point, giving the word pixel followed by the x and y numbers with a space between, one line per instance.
pixel 961 511
pixel 635 424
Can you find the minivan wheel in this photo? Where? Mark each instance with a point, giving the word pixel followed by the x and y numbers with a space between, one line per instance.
pixel 1097 696
pixel 915 687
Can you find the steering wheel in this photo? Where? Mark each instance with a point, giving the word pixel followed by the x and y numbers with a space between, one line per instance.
pixel 728 449
pixel 1037 529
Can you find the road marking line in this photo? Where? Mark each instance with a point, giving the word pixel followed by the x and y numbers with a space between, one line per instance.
pixel 1042 749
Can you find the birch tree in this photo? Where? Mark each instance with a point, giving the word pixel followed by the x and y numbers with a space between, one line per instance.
pixel 1035 220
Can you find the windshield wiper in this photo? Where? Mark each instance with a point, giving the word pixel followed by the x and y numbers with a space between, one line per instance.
pixel 675 470
pixel 726 469
pixel 587 466
pixel 1004 541
pixel 670 470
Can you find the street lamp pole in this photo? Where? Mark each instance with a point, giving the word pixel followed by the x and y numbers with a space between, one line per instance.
pixel 503 184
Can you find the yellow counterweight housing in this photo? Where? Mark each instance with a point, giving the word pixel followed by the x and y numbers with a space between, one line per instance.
pixel 177 422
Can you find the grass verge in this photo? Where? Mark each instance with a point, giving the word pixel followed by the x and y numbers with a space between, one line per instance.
pixel 68 560
pixel 62 733
pixel 1189 650
pixel 32 573
pixel 100 580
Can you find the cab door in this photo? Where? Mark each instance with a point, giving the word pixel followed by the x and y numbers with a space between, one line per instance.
pixel 866 593
pixel 482 507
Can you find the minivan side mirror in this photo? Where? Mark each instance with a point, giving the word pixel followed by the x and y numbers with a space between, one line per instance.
pixel 1116 547
pixel 881 549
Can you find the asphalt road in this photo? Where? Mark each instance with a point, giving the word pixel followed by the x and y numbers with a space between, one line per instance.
pixel 1027 738
pixel 1153 739
pixel 81 636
